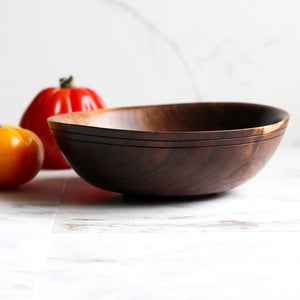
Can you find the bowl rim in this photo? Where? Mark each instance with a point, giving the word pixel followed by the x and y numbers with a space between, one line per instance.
pixel 128 134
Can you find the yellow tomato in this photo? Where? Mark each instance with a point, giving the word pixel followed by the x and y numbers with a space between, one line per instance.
pixel 21 155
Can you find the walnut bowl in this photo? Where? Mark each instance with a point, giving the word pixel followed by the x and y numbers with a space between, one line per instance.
pixel 186 149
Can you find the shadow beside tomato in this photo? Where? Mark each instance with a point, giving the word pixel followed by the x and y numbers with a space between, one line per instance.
pixel 55 190
pixel 74 190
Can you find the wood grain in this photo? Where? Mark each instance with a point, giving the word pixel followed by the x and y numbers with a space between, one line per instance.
pixel 170 150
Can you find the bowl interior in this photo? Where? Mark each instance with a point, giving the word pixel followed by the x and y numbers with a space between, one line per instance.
pixel 188 117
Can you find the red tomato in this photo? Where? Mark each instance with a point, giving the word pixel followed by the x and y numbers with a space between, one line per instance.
pixel 21 155
pixel 54 101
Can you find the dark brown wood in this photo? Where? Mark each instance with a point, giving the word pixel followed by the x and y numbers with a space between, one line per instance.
pixel 170 150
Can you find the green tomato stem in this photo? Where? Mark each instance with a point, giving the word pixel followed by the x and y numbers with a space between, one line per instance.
pixel 66 82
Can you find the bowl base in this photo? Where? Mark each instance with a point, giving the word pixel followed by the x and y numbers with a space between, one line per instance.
pixel 145 198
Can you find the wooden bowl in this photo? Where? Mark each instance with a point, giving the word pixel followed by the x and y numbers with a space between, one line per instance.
pixel 170 150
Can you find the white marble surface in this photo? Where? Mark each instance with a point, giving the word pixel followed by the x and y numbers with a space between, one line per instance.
pixel 61 238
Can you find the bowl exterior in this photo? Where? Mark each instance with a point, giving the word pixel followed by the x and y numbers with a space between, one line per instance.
pixel 166 171
pixel 130 156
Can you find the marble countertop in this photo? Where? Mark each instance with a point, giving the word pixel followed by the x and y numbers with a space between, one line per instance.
pixel 61 238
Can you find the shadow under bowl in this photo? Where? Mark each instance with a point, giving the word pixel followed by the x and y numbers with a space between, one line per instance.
pixel 184 149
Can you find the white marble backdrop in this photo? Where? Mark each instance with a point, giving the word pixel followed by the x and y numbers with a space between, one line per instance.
pixel 146 52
